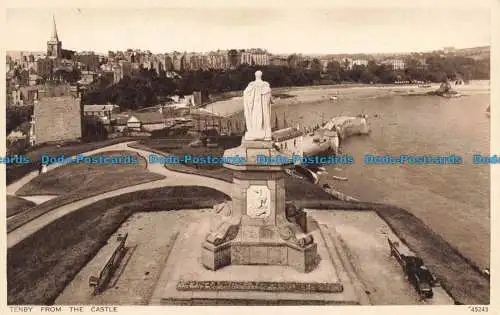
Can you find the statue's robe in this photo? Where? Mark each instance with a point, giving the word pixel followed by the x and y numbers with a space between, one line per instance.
pixel 257 108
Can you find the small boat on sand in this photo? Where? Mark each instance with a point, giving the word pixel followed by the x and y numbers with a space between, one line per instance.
pixel 317 169
pixel 488 111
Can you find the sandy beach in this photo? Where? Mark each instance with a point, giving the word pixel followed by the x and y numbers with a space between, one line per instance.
pixel 311 94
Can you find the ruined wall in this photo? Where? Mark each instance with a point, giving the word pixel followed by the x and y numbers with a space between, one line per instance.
pixel 57 119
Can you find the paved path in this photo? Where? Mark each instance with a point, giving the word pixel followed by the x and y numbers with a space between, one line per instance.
pixel 173 179
pixel 38 199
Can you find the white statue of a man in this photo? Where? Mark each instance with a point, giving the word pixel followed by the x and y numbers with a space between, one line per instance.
pixel 256 102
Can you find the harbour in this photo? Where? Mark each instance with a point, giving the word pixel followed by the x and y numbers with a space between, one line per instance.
pixel 419 125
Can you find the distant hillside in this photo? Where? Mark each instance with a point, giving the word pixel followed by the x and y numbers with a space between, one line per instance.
pixel 479 49
pixel 477 53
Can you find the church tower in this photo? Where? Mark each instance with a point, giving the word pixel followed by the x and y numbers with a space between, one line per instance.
pixel 54 46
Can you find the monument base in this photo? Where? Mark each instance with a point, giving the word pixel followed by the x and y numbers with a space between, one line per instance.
pixel 185 282
pixel 260 245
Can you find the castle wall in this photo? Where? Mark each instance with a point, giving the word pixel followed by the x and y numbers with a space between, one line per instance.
pixel 57 119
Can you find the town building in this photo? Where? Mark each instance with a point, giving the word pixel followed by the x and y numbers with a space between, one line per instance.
pixel 24 95
pixel 218 60
pixel 192 62
pixel 87 77
pixel 108 76
pixel 57 114
pixel 422 63
pixel 345 63
pixel 125 68
pixel 158 64
pixel 397 64
pixel 146 121
pixel 278 61
pixel 179 61
pixel 117 73
pixel 102 111
pixel 119 123
pixel 45 67
pixel 360 62
pixel 33 78
pixel 22 77
pixel 15 135
pixel 258 57
pixel 88 61
pixel 246 58
pixel 234 58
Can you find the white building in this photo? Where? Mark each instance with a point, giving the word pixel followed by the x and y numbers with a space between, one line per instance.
pixel 396 64
pixel 146 121
pixel 360 62
pixel 100 110
pixel 289 141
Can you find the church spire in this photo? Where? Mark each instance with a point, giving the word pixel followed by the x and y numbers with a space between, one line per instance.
pixel 54 36
pixel 54 45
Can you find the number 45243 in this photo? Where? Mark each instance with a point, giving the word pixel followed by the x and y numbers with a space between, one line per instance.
pixel 478 309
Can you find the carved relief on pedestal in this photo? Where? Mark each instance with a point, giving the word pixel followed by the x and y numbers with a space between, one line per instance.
pixel 258 201
pixel 225 232
pixel 293 227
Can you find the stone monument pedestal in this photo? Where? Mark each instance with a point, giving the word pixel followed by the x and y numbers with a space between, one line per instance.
pixel 262 253
pixel 259 231
pixel 184 281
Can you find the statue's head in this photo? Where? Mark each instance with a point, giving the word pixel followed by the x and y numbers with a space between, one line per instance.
pixel 258 75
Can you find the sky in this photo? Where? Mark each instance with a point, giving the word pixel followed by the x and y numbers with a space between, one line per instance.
pixel 279 30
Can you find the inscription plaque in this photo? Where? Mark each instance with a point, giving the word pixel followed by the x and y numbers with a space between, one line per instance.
pixel 258 201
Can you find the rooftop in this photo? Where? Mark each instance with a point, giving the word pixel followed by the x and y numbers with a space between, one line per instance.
pixel 149 118
pixel 286 134
pixel 95 107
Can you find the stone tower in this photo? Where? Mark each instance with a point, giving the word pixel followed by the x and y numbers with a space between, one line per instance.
pixel 54 46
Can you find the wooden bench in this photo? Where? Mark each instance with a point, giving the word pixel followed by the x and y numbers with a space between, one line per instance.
pixel 99 282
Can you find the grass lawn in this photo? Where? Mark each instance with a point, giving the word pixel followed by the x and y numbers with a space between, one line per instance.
pixel 72 178
pixel 80 181
pixel 16 172
pixel 165 144
pixel 42 265
pixel 16 205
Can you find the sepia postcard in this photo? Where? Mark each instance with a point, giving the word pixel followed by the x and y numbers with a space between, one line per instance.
pixel 320 157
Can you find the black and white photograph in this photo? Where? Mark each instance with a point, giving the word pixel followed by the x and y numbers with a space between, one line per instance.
pixel 249 155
